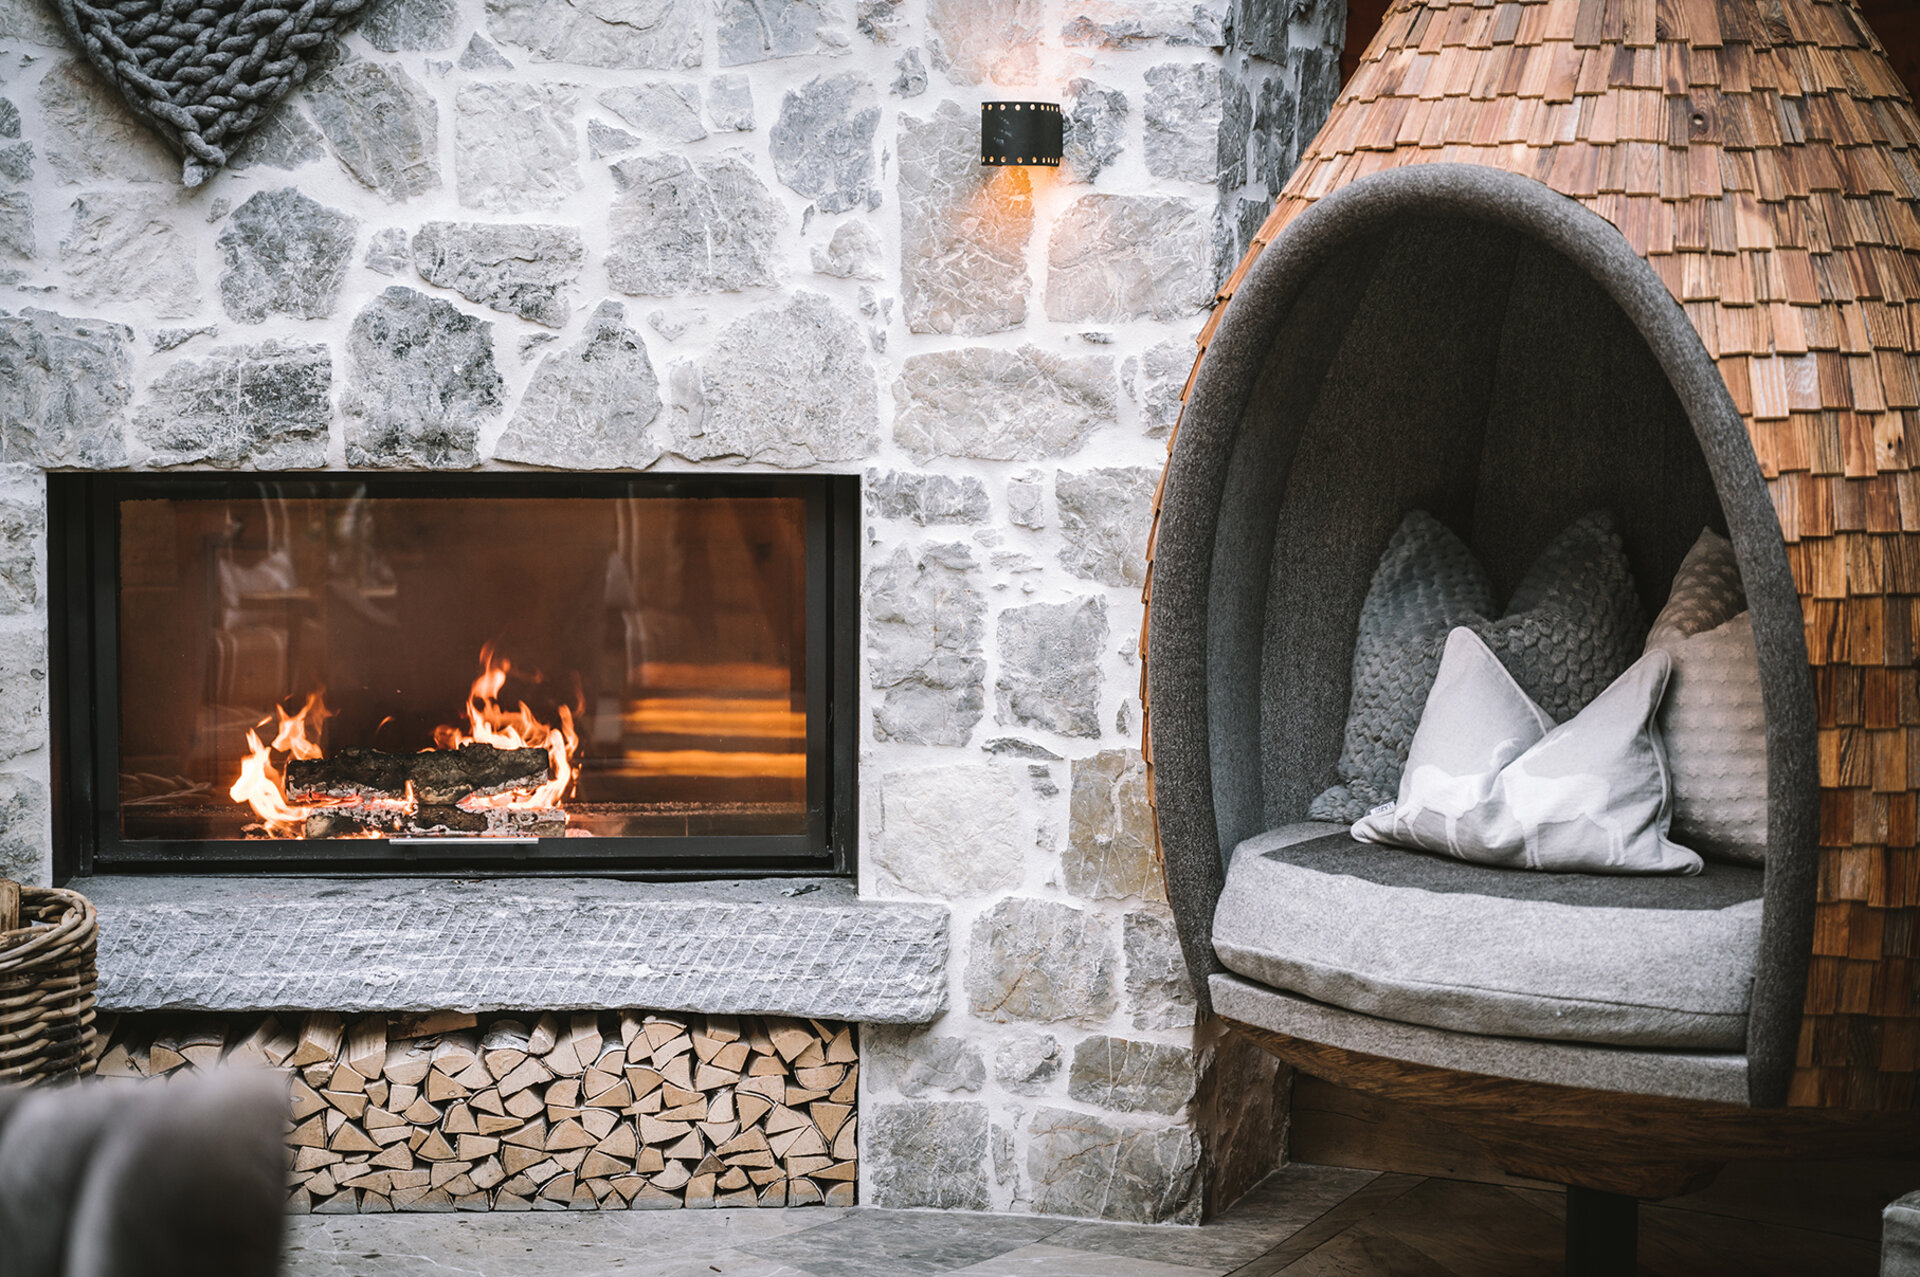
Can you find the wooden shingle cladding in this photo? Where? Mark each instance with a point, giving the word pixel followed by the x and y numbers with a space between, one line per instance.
pixel 1764 159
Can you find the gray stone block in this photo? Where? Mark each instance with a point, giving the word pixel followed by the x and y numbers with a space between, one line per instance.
pixel 1088 1166
pixel 951 832
pixel 987 41
pixel 822 142
pixel 1026 1064
pixel 1162 376
pixel 265 407
pixel 1105 518
pixel 1040 960
pixel 125 247
pixel 913 1061
pixel 1130 24
pixel 1110 845
pixel 622 34
pixel 730 103
pixel 1027 500
pixel 1116 258
pixel 88 135
pixel 926 1153
pixel 1132 1077
pixel 755 30
pixel 26 831
pixel 1197 121
pixel 909 75
pixel 388 252
pixel 679 227
pixel 1001 405
pixel 963 252
pixel 1159 991
pixel 785 385
pixel 285 254
pixel 243 944
pixel 394 26
pixel 64 387
pixel 660 110
pixel 519 269
pixel 18 240
pixel 852 253
pixel 23 693
pixel 589 406
pixel 604 140
pixel 381 125
pixel 286 139
pixel 514 146
pixel 1900 1238
pixel 927 498
pixel 22 524
pixel 1050 657
pixel 1094 136
pixel 926 620
pixel 480 55
pixel 420 380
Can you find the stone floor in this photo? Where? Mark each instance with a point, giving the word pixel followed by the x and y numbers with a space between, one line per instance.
pixel 1306 1221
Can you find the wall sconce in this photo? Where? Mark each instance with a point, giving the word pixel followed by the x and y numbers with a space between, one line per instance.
pixel 1018 133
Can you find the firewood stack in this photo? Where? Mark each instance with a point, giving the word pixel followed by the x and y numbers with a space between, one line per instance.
pixel 593 1110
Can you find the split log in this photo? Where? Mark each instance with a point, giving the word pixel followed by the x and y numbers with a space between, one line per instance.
pixel 440 777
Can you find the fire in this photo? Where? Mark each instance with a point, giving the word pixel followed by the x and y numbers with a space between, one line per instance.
pixel 263 781
pixel 263 773
pixel 491 723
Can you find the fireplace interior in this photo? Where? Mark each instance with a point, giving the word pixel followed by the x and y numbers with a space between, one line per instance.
pixel 633 673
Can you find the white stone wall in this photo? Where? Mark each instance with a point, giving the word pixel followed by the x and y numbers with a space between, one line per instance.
pixel 741 233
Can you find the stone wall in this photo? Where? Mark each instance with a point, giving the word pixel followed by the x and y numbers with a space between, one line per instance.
pixel 744 233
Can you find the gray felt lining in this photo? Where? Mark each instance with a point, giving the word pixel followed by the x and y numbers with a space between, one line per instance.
pixel 1471 342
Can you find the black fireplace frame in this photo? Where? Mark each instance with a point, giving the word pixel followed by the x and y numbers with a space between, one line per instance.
pixel 82 579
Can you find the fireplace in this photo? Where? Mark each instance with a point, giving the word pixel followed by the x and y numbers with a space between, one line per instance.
pixel 347 672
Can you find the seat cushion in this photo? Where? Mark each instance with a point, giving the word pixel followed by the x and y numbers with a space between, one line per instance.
pixel 1423 939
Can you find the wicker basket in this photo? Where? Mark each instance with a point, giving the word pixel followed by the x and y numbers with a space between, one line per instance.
pixel 46 988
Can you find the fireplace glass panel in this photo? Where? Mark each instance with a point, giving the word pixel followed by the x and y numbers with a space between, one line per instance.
pixel 654 645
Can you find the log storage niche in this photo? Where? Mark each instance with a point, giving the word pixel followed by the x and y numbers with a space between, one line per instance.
pixel 546 1111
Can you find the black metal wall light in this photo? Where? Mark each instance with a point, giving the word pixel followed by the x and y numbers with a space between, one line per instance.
pixel 1020 133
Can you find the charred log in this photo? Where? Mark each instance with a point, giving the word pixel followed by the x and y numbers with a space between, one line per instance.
pixel 440 777
pixel 431 820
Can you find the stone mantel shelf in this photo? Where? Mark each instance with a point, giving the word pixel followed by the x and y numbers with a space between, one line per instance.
pixel 193 943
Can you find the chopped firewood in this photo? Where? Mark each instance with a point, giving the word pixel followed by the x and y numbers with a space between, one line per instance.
pixel 710 1077
pixel 840 1050
pixel 434 1148
pixel 805 1142
pixel 753 1139
pixel 848 1171
pixel 487 1101
pixel 733 1179
pixel 691 1146
pixel 752 1107
pixel 526 1104
pixel 163 1059
pixel 472 1148
pixel 699 1191
pixel 564 1061
pixel 351 1139
pixel 568 1134
pixel 559 1188
pixel 649 1160
pixel 565 1093
pixel 505 1201
pixel 397 1156
pixel 828 1116
pixel 628 1185
pixel 350 1104
pixel 802 1192
pixel 488 1173
pixel 530 1073
pixel 599 1164
pixel 790 1038
pixel 455 1052
pixel 718 1133
pixel 319 1040
pixel 421 1113
pixel 674 1176
pixel 474 1077
pixel 841 1195
pixel 517 1159
pixel 306 1100
pixel 428 1023
pixel 442 1172
pixel 774 1194
pixel 494 1124
pixel 799 1095
pixel 366 1049
pixel 346 1079
pixel 849 1090
pixel 619 1142
pixel 694 1112
pixel 598 1122
pixel 766 1066
pixel 798 1166
pixel 312 1159
pixel 764 1175
pixel 441 1088
pixel 437 776
pixel 824 1078
pixel 844 1146
pixel 311 1133
pixel 709 1165
pixel 459 1121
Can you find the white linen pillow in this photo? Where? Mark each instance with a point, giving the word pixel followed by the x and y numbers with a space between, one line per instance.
pixel 1491 779
pixel 1713 720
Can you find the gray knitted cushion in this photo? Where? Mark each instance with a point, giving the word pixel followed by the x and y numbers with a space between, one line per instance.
pixel 1572 627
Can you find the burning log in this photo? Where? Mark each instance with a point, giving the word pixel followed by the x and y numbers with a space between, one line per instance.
pixel 429 820
pixel 439 777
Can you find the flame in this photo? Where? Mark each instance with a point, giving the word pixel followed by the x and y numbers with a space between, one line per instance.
pixel 263 773
pixel 489 722
pixel 262 781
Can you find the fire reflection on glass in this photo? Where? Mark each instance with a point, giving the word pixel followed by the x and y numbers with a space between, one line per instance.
pixel 345 666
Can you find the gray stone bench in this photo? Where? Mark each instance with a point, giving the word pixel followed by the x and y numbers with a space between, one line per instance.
pixel 807 947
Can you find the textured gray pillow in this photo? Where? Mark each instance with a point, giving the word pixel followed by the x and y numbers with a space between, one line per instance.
pixel 1491 779
pixel 1713 719
pixel 1572 626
